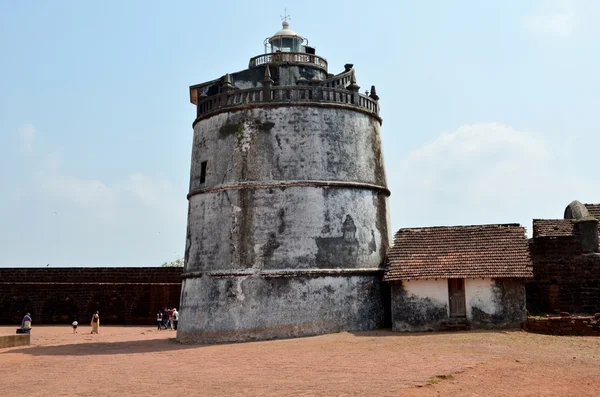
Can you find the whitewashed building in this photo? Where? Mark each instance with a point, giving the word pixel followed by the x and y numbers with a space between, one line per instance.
pixel 457 277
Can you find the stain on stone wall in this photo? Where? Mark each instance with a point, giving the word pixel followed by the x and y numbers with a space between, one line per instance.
pixel 508 296
pixel 264 308
pixel 332 144
pixel 413 313
pixel 338 251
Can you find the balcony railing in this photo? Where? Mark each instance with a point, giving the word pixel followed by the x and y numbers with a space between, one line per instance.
pixel 339 81
pixel 286 95
pixel 293 57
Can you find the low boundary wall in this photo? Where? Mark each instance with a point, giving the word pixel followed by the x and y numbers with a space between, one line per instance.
pixel 564 325
pixel 14 340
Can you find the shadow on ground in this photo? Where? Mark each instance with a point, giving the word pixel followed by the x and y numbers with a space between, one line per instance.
pixel 105 348
pixel 387 332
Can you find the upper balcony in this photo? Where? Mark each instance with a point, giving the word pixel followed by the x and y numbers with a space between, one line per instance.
pixel 292 57
pixel 312 87
pixel 268 95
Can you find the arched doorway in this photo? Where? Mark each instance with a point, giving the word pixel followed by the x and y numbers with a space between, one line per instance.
pixel 110 306
pixel 60 309
pixel 14 308
pixel 141 313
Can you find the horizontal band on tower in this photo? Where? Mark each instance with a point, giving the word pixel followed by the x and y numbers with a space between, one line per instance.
pixel 296 183
pixel 78 283
pixel 285 273
pixel 288 104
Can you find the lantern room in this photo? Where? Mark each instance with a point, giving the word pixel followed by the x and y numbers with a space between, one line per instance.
pixel 286 40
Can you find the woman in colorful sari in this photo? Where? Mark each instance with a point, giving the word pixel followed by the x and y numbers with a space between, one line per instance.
pixel 26 323
pixel 95 323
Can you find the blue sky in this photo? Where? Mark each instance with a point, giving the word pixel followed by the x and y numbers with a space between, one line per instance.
pixel 490 112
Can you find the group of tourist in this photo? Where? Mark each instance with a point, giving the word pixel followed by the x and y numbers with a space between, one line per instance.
pixel 168 318
pixel 95 323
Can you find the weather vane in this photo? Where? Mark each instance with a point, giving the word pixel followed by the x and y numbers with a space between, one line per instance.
pixel 285 15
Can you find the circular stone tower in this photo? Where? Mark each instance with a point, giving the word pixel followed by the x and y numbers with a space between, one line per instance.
pixel 288 213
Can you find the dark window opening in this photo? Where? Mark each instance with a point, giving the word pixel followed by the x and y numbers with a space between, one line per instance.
pixel 203 171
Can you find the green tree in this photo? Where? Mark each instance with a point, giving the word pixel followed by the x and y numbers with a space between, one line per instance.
pixel 176 263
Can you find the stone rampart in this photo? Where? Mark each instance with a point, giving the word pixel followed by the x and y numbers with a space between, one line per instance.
pixel 60 295
pixel 565 278
pixel 565 325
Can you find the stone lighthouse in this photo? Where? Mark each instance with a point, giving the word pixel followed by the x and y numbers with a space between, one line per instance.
pixel 288 205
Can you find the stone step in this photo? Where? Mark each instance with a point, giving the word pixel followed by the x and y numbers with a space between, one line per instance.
pixel 456 324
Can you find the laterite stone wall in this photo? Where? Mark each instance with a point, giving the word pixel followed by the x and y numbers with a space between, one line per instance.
pixel 565 278
pixel 60 295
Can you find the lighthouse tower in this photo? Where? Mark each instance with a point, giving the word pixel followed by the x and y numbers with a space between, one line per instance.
pixel 288 213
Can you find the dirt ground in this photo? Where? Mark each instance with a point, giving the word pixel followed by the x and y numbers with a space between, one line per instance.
pixel 131 361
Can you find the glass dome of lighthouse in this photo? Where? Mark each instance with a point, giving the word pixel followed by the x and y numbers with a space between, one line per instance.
pixel 286 40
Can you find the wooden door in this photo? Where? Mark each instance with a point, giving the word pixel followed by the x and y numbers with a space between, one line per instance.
pixel 456 293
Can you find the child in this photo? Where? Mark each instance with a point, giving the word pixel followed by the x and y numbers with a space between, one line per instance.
pixel 75 324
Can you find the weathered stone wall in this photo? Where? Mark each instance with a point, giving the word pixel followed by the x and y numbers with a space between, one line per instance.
pixel 287 144
pixel 289 189
pixel 565 278
pixel 422 305
pixel 565 325
pixel 58 295
pixel 496 303
pixel 14 340
pixel 235 309
pixel 287 75
pixel 419 305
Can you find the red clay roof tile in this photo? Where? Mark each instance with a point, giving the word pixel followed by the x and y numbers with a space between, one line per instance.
pixel 553 227
pixel 495 251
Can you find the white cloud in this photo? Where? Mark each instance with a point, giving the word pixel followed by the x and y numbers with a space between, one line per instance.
pixel 150 191
pixel 141 193
pixel 561 24
pixel 27 134
pixel 559 18
pixel 564 19
pixel 86 193
pixel 136 190
pixel 477 154
pixel 137 219
pixel 482 173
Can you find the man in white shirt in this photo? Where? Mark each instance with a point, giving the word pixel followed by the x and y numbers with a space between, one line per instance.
pixel 159 320
pixel 175 319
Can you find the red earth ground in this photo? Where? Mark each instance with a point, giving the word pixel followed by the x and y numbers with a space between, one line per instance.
pixel 140 361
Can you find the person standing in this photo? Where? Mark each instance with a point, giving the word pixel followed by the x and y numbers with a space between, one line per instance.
pixel 171 318
pixel 175 318
pixel 166 317
pixel 159 320
pixel 95 323
pixel 75 324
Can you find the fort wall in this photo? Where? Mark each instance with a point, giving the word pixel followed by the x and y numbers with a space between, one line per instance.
pixel 566 279
pixel 59 295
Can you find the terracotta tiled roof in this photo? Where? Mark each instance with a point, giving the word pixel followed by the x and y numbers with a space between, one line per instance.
pixel 459 252
pixel 594 210
pixel 553 227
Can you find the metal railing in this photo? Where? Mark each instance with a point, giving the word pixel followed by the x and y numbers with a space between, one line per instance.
pixel 340 81
pixel 294 57
pixel 288 94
